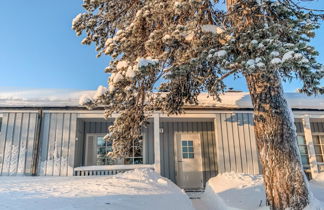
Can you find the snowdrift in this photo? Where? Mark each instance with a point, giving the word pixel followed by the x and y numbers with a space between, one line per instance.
pixel 234 191
pixel 140 189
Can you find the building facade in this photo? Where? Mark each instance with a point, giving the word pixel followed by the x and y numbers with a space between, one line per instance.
pixel 188 149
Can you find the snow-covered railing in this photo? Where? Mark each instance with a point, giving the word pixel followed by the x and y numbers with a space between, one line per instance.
pixel 107 170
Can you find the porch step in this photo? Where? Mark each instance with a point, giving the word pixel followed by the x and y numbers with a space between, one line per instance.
pixel 194 194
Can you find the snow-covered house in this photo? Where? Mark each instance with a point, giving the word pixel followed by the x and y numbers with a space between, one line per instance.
pixel 47 133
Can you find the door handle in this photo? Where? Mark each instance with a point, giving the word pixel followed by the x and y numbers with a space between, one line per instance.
pixel 180 161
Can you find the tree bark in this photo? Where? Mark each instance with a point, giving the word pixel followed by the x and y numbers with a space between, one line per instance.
pixel 286 185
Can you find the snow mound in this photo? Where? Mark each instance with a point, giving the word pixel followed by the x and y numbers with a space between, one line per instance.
pixel 143 175
pixel 319 177
pixel 235 191
pixel 140 189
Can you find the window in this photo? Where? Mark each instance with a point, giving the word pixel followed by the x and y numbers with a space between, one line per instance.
pixel 302 144
pixel 187 149
pixel 303 150
pixel 319 148
pixel 136 156
pixel 103 147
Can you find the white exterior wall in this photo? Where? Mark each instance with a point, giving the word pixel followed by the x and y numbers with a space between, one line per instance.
pixel 57 144
pixel 18 142
pixel 232 142
pixel 236 146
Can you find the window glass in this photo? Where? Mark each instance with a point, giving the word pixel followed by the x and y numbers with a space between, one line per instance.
pixel 304 159
pixel 301 140
pixel 187 149
pixel 104 147
pixel 191 155
pixel 101 141
pixel 303 150
pixel 136 153
pixel 319 147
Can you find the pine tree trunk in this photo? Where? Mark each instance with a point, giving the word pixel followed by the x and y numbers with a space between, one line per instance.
pixel 285 182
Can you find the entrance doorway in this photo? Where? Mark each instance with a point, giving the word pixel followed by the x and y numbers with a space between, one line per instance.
pixel 189 174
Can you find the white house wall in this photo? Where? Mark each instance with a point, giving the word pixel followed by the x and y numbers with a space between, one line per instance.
pixel 57 144
pixel 17 143
pixel 228 141
pixel 236 146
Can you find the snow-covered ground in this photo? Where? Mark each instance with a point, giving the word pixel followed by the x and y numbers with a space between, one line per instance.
pixel 141 189
pixel 232 191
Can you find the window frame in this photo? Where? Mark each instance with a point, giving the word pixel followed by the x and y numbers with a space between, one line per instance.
pixel 188 154
pixel 119 161
pixel 321 145
pixel 306 166
pixel 302 134
pixel 133 157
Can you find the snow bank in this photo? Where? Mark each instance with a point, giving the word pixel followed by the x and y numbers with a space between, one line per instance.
pixel 137 190
pixel 319 177
pixel 60 98
pixel 234 191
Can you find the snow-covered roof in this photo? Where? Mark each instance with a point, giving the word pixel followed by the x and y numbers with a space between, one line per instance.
pixel 70 98
pixel 10 97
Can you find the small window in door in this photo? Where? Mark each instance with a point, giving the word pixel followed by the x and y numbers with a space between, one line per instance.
pixel 187 149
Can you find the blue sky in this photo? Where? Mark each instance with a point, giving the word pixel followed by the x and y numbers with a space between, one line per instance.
pixel 38 48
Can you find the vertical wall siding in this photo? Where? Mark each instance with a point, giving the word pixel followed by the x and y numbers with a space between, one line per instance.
pixel 17 143
pixel 236 145
pixel 79 144
pixel 57 144
pixel 299 126
pixel 96 127
pixel 148 132
pixel 317 127
pixel 208 144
